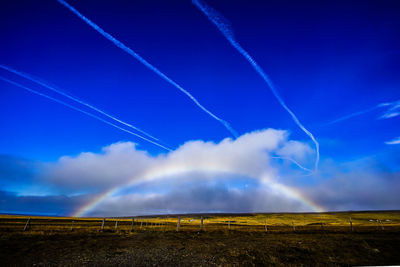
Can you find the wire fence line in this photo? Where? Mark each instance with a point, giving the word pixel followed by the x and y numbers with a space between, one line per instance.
pixel 190 224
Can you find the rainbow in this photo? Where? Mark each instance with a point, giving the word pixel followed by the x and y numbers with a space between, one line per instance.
pixel 181 168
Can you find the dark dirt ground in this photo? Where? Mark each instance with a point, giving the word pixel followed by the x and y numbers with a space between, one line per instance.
pixel 221 248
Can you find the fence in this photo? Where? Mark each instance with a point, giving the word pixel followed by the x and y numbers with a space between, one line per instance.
pixel 191 224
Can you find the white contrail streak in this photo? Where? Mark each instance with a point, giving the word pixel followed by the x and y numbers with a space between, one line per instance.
pixel 224 27
pixel 390 113
pixel 146 63
pixel 355 114
pixel 293 161
pixel 84 112
pixel 57 90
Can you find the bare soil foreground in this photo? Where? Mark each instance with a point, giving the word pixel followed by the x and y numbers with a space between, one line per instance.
pixel 226 240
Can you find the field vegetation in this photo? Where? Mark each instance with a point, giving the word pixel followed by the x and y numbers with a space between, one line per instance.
pixel 279 239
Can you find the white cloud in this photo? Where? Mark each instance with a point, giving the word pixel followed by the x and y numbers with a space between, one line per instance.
pixel 92 172
pixel 389 115
pixel 395 141
pixel 393 111
pixel 296 150
pixel 241 175
pixel 122 165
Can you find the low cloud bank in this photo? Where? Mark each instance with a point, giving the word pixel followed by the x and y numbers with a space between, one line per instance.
pixel 252 155
pixel 243 175
pixel 201 195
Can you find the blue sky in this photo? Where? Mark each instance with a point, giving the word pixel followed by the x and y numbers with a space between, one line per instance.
pixel 328 60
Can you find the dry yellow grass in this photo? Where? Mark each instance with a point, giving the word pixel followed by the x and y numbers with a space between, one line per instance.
pixel 318 239
pixel 239 222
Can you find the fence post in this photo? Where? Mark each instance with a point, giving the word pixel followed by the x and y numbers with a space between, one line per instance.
pixel 141 224
pixel 133 222
pixel 102 224
pixel 178 225
pixel 116 225
pixel 201 224
pixel 27 224
pixel 294 228
pixel 265 225
pixel 380 222
pixel 72 226
pixel 351 225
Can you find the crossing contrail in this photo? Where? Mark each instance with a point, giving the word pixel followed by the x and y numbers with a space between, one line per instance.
pixel 225 28
pixel 390 113
pixel 84 112
pixel 57 90
pixel 146 63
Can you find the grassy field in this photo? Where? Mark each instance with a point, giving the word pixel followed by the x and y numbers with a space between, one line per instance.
pixel 278 239
pixel 282 222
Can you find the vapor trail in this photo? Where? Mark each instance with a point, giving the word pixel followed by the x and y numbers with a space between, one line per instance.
pixel 84 112
pixel 225 28
pixel 359 113
pixel 57 90
pixel 146 63
pixel 293 161
pixel 390 113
